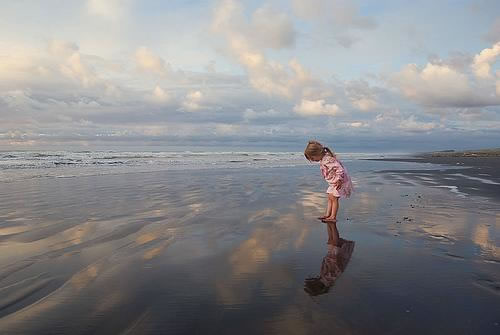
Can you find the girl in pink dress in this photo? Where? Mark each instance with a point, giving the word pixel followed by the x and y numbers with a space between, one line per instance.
pixel 335 174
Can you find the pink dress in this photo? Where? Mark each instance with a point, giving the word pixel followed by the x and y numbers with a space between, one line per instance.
pixel 334 171
pixel 335 262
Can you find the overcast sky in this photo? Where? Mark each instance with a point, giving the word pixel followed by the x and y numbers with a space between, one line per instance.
pixel 365 75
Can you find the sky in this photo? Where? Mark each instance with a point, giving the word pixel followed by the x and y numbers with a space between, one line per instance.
pixel 364 76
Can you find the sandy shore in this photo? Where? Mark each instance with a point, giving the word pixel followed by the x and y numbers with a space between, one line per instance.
pixel 469 172
pixel 229 251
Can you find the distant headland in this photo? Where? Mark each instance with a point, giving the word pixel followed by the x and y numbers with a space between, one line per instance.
pixel 495 152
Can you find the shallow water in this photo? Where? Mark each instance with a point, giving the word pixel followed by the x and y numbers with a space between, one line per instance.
pixel 228 250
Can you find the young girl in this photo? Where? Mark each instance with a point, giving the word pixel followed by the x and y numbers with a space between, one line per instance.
pixel 335 174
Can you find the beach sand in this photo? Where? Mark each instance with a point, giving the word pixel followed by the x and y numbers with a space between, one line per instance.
pixel 474 175
pixel 228 251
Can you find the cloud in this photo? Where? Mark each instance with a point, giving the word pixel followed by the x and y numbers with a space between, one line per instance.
pixel 340 16
pixel 412 125
pixel 160 96
pixel 433 84
pixel 272 29
pixel 362 96
pixel 74 68
pixel 192 100
pixel 265 75
pixel 108 9
pixel 224 129
pixel 60 48
pixel 355 124
pixel 147 61
pixel 441 84
pixel 266 117
pixel 269 74
pixel 483 61
pixel 311 9
pixel 316 108
pixel 267 28
pixel 364 104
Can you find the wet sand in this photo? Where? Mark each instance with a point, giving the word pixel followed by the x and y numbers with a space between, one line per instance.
pixel 479 176
pixel 229 251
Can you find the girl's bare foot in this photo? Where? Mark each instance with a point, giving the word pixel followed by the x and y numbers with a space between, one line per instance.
pixel 329 219
pixel 322 217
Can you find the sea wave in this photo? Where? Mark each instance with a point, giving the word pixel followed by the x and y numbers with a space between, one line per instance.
pixel 21 165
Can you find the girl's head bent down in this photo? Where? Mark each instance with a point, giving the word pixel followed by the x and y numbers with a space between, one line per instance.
pixel 315 151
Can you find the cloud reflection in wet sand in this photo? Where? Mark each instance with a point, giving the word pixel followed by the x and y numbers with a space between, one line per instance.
pixel 174 252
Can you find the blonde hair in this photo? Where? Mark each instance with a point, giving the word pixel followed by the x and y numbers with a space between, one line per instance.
pixel 314 148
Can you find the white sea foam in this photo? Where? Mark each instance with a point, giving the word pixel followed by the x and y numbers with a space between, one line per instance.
pixel 425 178
pixel 22 165
pixel 453 189
pixel 482 180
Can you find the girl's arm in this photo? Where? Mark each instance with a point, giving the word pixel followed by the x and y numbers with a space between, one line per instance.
pixel 335 172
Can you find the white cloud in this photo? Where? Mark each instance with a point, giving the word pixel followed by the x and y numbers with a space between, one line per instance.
pixel 316 108
pixel 340 16
pixel 265 75
pixel 433 85
pixel 270 114
pixel 483 61
pixel 389 116
pixel 364 104
pixel 74 68
pixel 108 9
pixel 272 29
pixel 223 129
pixel 88 85
pixel 362 95
pixel 412 125
pixel 440 84
pixel 61 48
pixel 17 64
pixel 342 12
pixel 160 96
pixel 192 100
pixel 358 124
pixel 147 61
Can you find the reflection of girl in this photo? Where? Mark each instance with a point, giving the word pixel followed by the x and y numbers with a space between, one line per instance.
pixel 334 263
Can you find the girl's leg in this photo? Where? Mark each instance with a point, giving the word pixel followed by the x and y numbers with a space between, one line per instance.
pixel 334 201
pixel 335 208
pixel 328 209
pixel 333 234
